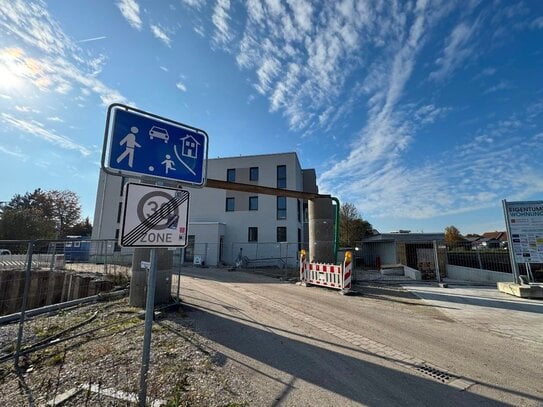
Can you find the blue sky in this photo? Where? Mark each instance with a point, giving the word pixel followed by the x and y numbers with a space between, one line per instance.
pixel 421 113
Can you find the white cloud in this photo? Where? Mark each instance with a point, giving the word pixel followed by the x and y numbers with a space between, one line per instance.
pixel 267 71
pixel 55 119
pixel 130 10
pixel 502 85
pixel 537 23
pixel 194 3
pixel 52 61
pixel 221 20
pixel 200 30
pixel 16 154
pixel 488 71
pixel 428 114
pixel 36 129
pixel 181 86
pixel 459 46
pixel 160 34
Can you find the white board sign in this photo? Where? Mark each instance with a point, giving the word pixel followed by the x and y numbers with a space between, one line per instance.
pixel 154 216
pixel 525 221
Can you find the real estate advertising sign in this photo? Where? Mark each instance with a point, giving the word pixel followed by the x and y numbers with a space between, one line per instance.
pixel 525 226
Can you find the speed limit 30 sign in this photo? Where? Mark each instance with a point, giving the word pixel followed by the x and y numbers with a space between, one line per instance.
pixel 154 216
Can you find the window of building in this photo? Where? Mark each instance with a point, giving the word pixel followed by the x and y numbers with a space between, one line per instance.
pixel 281 176
pixel 253 203
pixel 117 248
pixel 119 212
pixel 299 211
pixel 230 204
pixel 253 174
pixel 281 234
pixel 281 207
pixel 231 175
pixel 189 250
pixel 123 182
pixel 252 234
pixel 299 239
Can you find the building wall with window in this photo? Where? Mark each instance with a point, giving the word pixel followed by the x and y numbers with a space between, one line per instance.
pixel 246 219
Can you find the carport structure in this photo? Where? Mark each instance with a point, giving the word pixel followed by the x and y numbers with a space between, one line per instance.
pixel 414 250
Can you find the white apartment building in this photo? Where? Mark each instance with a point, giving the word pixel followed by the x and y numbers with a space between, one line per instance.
pixel 269 229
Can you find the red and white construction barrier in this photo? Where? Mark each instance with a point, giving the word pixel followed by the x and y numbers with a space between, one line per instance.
pixel 327 275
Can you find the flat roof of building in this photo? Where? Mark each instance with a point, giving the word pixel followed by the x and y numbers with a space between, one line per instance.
pixel 404 237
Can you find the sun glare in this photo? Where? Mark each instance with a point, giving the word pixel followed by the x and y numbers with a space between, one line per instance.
pixel 14 69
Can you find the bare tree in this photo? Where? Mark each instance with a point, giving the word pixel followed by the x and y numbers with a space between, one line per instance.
pixel 352 227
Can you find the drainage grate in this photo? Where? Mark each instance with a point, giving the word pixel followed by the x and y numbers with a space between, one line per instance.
pixel 437 374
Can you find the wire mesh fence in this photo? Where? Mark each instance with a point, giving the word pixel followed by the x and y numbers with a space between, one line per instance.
pixel 265 255
pixel 61 343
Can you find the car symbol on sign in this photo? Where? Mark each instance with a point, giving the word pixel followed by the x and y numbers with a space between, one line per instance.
pixel 159 132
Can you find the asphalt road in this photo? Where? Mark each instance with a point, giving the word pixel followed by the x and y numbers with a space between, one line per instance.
pixel 310 346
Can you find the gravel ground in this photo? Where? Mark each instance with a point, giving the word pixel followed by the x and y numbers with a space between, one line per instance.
pixel 100 363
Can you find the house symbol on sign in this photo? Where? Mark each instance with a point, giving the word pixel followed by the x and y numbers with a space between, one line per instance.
pixel 190 147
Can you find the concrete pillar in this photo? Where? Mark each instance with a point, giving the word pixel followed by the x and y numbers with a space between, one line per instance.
pixel 54 287
pixel 321 230
pixel 138 281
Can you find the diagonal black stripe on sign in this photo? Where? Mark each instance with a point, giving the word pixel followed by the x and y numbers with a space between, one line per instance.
pixel 165 210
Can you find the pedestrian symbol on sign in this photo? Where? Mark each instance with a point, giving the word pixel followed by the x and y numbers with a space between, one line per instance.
pixel 130 143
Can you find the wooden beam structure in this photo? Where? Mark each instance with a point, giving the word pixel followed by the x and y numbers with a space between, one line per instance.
pixel 259 189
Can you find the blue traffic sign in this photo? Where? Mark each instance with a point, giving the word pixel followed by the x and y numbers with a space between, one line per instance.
pixel 138 144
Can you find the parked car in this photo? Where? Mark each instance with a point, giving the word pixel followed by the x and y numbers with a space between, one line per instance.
pixel 5 252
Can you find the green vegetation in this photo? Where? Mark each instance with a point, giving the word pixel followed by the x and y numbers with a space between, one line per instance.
pixel 352 227
pixel 43 215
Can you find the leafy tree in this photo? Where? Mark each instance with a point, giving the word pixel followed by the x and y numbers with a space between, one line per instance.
pixel 25 224
pixel 452 236
pixel 64 209
pixel 40 215
pixel 83 228
pixel 352 227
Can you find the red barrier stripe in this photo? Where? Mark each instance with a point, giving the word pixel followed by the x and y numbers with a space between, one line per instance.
pixel 347 275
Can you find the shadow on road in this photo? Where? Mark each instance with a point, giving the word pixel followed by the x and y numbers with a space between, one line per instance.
pixel 294 359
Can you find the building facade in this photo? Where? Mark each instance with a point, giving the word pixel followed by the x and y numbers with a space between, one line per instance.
pixel 225 225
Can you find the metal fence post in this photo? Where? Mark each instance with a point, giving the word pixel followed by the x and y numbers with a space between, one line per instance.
pixel 28 275
pixel 436 261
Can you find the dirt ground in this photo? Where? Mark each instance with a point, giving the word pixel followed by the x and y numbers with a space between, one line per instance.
pixel 100 362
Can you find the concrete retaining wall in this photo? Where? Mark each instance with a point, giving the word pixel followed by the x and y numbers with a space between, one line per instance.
pixel 471 274
pixel 46 288
pixel 412 273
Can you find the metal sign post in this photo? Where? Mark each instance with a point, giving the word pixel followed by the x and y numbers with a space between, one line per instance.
pixel 149 316
pixel 141 144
